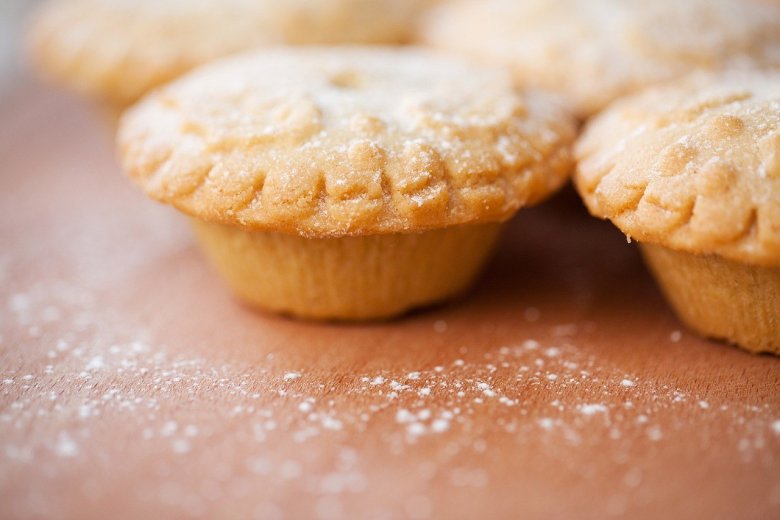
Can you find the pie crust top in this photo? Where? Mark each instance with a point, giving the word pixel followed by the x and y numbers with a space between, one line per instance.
pixel 693 166
pixel 347 141
pixel 595 51
pixel 117 50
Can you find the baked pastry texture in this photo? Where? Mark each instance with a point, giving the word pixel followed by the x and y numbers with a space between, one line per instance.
pixel 692 172
pixel 595 51
pixel 117 50
pixel 347 183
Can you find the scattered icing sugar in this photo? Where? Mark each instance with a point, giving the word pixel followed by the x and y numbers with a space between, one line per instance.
pixel 405 416
pixel 532 314
pixel 66 446
pixel 132 378
pixel 440 425
pixel 180 446
pixel 440 326
pixel 331 423
pixel 592 409
pixel 486 389
pixel 95 363
pixel 654 433
pixel 416 429
pixel 546 423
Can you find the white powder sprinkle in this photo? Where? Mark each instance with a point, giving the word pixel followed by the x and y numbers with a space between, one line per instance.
pixel 592 409
pixel 404 416
pixel 95 363
pixel 440 425
pixel 532 314
pixel 440 326
pixel 180 446
pixel 531 344
pixel 19 302
pixel 568 329
pixel 66 446
pixel 331 423
pixel 675 336
pixel 259 466
pixel 486 389
pixel 290 470
pixel 546 423
pixel 169 428
pixel 633 477
pixel 415 429
pixel 112 372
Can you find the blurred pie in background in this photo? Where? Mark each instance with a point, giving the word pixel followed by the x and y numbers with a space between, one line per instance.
pixel 595 51
pixel 116 50
pixel 691 171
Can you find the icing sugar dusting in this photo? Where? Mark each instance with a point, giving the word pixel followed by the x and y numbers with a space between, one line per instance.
pixel 459 405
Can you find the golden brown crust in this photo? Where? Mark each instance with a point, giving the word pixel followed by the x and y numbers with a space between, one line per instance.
pixel 117 50
pixel 346 141
pixel 347 278
pixel 594 51
pixel 720 298
pixel 693 166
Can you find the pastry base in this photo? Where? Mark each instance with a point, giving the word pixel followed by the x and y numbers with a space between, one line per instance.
pixel 347 278
pixel 720 298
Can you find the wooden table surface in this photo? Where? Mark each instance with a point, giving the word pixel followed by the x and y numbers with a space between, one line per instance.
pixel 132 385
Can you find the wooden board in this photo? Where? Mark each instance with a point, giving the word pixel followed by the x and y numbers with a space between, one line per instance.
pixel 133 385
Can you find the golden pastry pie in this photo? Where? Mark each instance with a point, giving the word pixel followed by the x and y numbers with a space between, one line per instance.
pixel 692 172
pixel 117 50
pixel 346 183
pixel 595 51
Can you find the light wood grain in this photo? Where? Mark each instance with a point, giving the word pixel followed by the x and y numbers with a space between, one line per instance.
pixel 133 385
